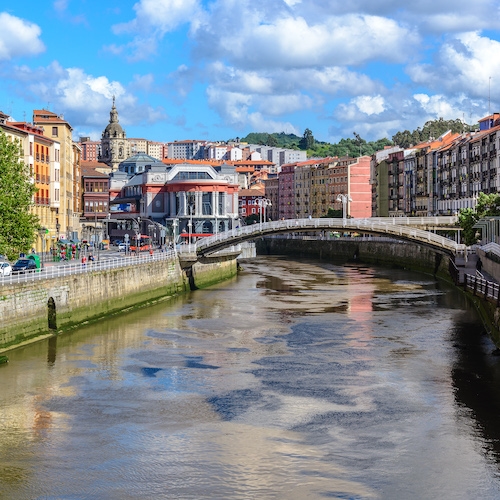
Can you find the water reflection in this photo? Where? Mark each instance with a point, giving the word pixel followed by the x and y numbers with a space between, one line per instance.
pixel 297 380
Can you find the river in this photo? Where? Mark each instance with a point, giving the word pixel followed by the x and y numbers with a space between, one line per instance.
pixel 296 380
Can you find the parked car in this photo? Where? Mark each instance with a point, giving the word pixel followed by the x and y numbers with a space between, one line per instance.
pixel 24 266
pixel 122 247
pixel 5 269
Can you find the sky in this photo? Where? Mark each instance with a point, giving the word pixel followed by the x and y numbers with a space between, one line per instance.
pixel 220 69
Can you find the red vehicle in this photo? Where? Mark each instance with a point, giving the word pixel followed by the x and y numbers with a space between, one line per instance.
pixel 144 242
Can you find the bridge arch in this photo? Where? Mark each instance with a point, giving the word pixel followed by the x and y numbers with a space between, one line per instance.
pixel 403 229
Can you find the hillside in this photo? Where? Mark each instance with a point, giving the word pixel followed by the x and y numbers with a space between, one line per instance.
pixel 356 146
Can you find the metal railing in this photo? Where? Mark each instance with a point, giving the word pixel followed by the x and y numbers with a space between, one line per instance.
pixel 479 286
pixel 74 267
pixel 401 227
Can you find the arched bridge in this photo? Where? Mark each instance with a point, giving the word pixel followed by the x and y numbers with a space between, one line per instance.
pixel 402 228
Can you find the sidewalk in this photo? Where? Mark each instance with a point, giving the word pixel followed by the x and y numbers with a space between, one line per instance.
pixel 469 267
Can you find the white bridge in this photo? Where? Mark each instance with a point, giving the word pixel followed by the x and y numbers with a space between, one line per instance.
pixel 415 229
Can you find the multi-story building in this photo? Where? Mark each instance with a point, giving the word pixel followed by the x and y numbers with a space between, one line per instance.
pixel 440 176
pixel 186 200
pixel 186 150
pixel 271 189
pixel 313 187
pixel 156 150
pixel 91 150
pixel 278 156
pixel 41 154
pixel 286 206
pixel 151 148
pixel 249 202
pixel 56 128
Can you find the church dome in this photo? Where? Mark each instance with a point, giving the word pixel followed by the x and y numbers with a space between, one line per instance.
pixel 114 129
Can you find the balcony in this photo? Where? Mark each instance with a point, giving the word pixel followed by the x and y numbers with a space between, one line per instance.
pixel 42 201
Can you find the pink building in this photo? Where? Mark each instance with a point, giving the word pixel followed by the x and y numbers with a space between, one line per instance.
pixel 359 188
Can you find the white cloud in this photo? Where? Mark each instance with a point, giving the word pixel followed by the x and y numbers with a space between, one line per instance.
pixel 370 105
pixel 293 42
pixel 232 106
pixel 18 38
pixel 165 15
pixel 276 105
pixel 257 121
pixel 463 64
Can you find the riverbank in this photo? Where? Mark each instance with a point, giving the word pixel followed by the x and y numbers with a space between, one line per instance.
pixel 31 311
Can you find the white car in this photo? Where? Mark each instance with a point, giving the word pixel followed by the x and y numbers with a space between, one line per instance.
pixel 122 247
pixel 5 269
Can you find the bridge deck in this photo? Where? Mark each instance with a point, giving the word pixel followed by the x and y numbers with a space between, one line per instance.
pixel 407 228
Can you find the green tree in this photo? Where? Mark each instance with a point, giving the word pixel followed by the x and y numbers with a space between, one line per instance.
pixel 271 141
pixel 17 225
pixel 488 205
pixel 252 219
pixel 333 214
pixel 307 141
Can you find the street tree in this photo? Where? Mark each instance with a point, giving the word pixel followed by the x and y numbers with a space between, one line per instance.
pixel 18 226
pixel 488 205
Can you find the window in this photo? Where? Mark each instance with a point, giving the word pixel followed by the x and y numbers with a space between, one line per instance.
pixel 54 132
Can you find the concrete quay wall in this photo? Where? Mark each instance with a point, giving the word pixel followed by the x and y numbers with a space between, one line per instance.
pixel 33 310
pixel 391 253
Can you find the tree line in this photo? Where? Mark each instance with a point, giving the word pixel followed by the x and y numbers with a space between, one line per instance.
pixel 356 146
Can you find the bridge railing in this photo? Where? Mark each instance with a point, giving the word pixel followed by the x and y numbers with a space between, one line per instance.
pixel 385 225
pixel 68 269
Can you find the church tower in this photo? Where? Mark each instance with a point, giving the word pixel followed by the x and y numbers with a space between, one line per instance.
pixel 114 145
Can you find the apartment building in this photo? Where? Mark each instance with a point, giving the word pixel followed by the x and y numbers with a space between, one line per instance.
pixel 186 150
pixel 91 150
pixel 41 154
pixel 55 127
pixel 249 202
pixel 312 187
pixel 440 176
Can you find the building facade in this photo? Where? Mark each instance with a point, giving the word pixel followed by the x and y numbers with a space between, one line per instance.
pixel 183 200
pixel 56 128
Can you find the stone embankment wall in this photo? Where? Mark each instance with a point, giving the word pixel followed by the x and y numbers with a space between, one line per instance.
pixel 32 310
pixel 392 253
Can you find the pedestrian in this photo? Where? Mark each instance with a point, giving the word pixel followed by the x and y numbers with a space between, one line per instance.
pixel 479 264
pixel 84 261
pixel 91 258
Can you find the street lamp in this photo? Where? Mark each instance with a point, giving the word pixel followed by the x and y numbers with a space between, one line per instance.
pixel 263 203
pixel 42 232
pixel 190 228
pixel 190 223
pixel 344 198
pixel 175 225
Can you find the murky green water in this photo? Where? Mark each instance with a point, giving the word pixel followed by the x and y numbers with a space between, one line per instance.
pixel 296 380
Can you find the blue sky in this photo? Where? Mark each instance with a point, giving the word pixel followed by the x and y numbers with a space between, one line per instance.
pixel 193 69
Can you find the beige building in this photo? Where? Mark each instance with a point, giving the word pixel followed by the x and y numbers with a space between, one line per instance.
pixel 67 219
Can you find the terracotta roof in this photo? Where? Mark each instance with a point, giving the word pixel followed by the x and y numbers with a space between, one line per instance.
pixel 251 192
pixel 89 169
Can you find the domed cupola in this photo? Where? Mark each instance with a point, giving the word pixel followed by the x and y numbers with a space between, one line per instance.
pixel 114 145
